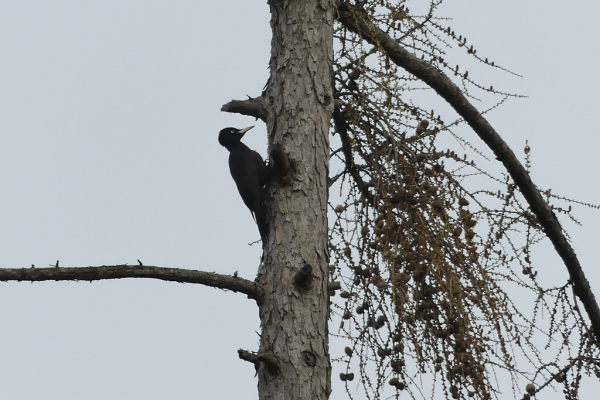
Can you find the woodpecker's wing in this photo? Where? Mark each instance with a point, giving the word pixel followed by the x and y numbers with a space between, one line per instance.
pixel 262 170
pixel 244 172
pixel 246 166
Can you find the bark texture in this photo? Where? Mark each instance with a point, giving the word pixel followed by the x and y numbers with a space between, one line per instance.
pixel 298 104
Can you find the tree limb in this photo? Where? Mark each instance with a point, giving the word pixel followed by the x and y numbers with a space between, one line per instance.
pixel 252 107
pixel 233 283
pixel 356 20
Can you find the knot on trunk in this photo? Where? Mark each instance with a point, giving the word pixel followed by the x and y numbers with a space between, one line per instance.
pixel 303 277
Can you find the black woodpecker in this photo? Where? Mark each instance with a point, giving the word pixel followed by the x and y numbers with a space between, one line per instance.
pixel 250 174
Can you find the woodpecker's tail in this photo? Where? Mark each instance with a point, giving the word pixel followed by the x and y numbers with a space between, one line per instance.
pixel 263 225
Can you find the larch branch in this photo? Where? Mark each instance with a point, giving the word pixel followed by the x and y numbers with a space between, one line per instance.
pixel 356 20
pixel 233 283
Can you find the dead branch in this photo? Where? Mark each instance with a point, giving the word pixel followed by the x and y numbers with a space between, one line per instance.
pixel 266 358
pixel 252 107
pixel 233 283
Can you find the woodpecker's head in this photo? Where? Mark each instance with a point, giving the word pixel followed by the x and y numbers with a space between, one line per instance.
pixel 229 137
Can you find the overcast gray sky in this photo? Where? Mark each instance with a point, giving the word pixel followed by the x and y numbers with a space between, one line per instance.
pixel 109 115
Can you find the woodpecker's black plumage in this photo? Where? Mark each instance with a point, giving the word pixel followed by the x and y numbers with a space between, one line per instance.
pixel 250 174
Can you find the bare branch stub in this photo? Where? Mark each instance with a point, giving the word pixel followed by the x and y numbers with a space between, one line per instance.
pixel 248 356
pixel 251 107
pixel 268 359
pixel 235 284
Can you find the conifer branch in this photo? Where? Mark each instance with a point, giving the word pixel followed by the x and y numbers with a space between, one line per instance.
pixel 359 22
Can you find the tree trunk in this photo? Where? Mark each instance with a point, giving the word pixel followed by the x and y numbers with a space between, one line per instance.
pixel 299 104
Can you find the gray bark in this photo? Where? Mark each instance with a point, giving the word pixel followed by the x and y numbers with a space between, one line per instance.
pixel 298 104
pixel 233 283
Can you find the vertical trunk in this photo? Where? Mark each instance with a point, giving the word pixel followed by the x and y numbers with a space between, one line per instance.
pixel 299 103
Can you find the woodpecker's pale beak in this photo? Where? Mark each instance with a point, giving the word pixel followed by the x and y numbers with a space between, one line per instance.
pixel 241 132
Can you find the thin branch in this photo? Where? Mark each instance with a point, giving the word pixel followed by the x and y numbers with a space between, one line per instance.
pixel 356 20
pixel 252 107
pixel 341 127
pixel 233 283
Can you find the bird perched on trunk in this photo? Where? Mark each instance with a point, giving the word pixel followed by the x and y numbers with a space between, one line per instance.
pixel 250 174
